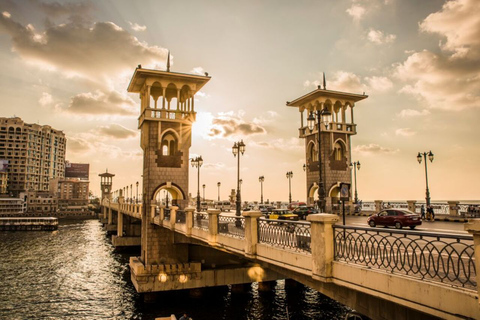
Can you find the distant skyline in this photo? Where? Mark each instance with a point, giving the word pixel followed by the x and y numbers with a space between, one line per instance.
pixel 68 63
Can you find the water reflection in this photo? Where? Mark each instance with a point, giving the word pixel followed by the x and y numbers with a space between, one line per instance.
pixel 74 273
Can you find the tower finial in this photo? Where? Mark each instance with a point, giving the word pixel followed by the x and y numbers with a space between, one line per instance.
pixel 324 82
pixel 168 61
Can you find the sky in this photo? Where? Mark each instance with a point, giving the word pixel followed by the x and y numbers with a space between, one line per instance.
pixel 68 64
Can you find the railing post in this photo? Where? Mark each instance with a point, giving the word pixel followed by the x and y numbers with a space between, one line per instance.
pixel 162 213
pixel 173 217
pixel 411 205
pixel 453 208
pixel 322 244
pixel 473 227
pixel 189 219
pixel 378 205
pixel 213 225
pixel 251 232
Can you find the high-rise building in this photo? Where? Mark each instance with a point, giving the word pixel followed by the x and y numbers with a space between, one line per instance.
pixel 35 154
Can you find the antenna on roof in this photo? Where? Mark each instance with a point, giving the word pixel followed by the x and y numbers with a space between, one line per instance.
pixel 168 61
pixel 324 82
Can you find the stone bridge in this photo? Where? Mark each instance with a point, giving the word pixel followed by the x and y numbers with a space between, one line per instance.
pixel 310 254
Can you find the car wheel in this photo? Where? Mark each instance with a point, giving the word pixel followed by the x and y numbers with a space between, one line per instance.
pixel 412 227
pixel 372 223
pixel 398 225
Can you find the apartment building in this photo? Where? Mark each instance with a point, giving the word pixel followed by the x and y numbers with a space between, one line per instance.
pixel 35 154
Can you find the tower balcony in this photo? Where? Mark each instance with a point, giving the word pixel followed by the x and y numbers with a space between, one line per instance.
pixel 166 114
pixel 347 128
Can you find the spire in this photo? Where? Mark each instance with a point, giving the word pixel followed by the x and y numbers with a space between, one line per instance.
pixel 168 61
pixel 324 82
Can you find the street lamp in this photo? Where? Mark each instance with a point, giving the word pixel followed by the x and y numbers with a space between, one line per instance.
pixel 131 192
pixel 237 149
pixel 197 163
pixel 136 198
pixel 203 192
pixel 355 165
pixel 322 116
pixel 261 179
pixel 218 185
pixel 419 159
pixel 289 177
pixel 126 196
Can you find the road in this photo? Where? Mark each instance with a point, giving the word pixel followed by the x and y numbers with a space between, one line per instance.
pixel 435 226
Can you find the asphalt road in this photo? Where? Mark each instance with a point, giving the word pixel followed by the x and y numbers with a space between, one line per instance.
pixel 435 226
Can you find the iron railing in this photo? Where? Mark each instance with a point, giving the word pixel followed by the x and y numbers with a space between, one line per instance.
pixel 181 217
pixel 166 214
pixel 293 235
pixel 200 220
pixel 448 258
pixel 231 226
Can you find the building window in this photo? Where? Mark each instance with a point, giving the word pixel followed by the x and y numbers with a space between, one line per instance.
pixel 169 145
pixel 338 151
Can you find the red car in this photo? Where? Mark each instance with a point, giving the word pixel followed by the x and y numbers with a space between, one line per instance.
pixel 398 218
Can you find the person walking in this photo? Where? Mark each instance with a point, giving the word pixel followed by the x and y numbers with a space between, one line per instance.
pixel 422 212
pixel 431 213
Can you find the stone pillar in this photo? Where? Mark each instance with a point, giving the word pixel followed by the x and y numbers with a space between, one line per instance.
pixel 173 217
pixel 453 208
pixel 378 205
pixel 473 227
pixel 251 232
pixel 411 205
pixel 104 208
pixel 322 244
pixel 213 225
pixel 189 219
pixel 120 224
pixel 110 216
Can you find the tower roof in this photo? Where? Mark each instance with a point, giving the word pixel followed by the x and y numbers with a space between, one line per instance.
pixel 106 174
pixel 323 95
pixel 141 74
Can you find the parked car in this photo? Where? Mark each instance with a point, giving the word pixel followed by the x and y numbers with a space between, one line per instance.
pixel 398 218
pixel 294 205
pixel 282 214
pixel 223 205
pixel 304 211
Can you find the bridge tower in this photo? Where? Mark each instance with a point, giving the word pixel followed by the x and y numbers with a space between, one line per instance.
pixel 335 143
pixel 167 113
pixel 106 184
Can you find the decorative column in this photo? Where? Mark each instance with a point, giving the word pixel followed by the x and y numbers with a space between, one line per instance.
pixel 173 217
pixel 322 244
pixel 189 219
pixel 213 225
pixel 453 208
pixel 473 227
pixel 120 224
pixel 251 232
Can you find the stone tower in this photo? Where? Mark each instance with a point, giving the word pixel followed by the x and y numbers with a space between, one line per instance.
pixel 166 116
pixel 335 143
pixel 106 184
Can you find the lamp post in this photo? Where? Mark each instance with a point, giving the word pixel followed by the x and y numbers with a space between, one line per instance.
pixel 289 177
pixel 197 163
pixel 355 165
pixel 261 179
pixel 419 159
pixel 136 197
pixel 203 192
pixel 131 192
pixel 237 149
pixel 126 196
pixel 218 185
pixel 323 116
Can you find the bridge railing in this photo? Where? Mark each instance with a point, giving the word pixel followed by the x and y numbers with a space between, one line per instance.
pixel 200 220
pixel 445 258
pixel 294 235
pixel 231 226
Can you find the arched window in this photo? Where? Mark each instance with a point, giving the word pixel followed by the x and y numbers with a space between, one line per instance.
pixel 338 151
pixel 169 145
pixel 312 152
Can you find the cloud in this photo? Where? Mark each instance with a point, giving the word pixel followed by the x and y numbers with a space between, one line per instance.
pixel 92 51
pixel 378 37
pixel 449 79
pixel 356 12
pixel 46 99
pixel 101 103
pixel 137 27
pixel 116 131
pixel 226 127
pixel 92 144
pixel 459 23
pixel 405 132
pixel 214 166
pixel 281 144
pixel 77 145
pixel 380 84
pixel 373 148
pixel 55 9
pixel 345 81
pixel 408 113
pixel 269 118
pixel 198 70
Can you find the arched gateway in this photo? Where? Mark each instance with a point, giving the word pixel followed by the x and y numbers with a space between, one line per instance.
pixel 165 122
